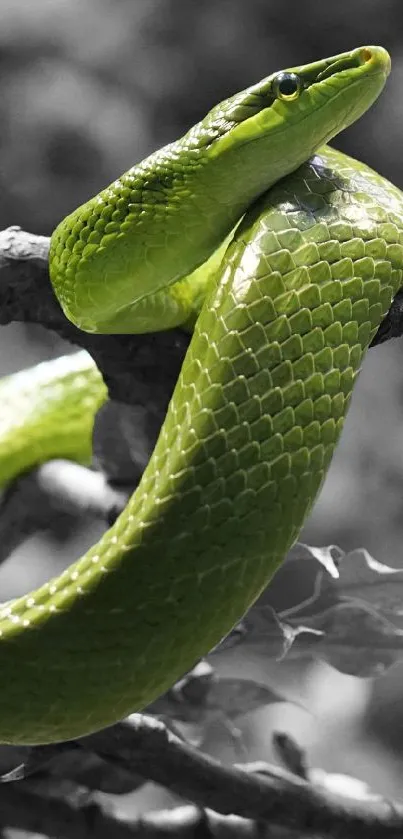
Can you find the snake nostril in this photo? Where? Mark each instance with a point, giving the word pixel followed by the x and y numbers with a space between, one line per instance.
pixel 365 55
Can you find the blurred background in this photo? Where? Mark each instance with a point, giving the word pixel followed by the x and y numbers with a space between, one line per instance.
pixel 86 90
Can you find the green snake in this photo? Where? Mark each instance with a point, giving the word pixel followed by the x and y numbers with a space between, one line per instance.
pixel 283 256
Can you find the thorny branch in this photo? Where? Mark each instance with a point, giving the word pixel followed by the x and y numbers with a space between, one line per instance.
pixel 140 372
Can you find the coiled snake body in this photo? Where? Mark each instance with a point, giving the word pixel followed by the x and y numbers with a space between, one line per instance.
pixel 257 412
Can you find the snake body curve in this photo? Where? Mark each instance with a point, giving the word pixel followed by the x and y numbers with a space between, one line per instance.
pixel 253 422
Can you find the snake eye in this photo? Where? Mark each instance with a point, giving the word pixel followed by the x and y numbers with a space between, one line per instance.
pixel 287 86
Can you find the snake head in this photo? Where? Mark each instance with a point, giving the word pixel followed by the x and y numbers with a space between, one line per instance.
pixel 167 215
pixel 288 115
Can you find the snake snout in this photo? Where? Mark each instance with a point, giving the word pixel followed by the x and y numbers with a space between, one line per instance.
pixel 375 59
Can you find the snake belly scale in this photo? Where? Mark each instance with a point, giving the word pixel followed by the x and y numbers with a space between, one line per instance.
pixel 249 434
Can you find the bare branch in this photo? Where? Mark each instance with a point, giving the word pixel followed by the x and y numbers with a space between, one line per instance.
pixel 78 490
pixel 26 810
pixel 258 791
pixel 143 745
pixel 188 822
pixel 138 369
pixel 46 496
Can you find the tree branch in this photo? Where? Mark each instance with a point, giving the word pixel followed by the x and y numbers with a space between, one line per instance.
pixel 28 810
pixel 45 496
pixel 26 295
pixel 138 369
pixel 143 746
